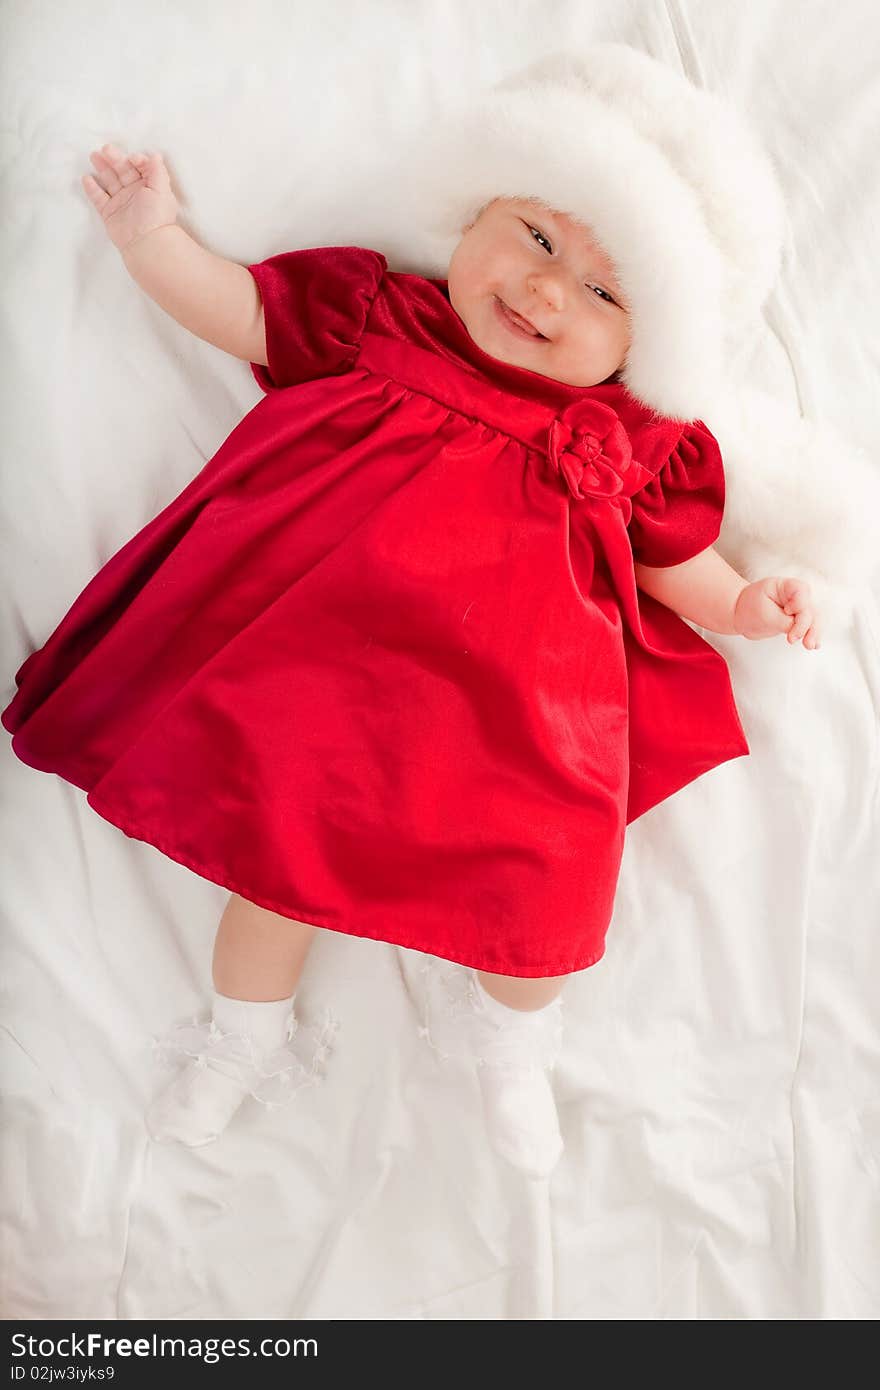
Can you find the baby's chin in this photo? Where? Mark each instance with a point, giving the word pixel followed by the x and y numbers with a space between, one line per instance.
pixel 490 339
pixel 532 362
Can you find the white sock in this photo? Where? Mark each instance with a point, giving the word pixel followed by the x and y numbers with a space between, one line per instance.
pixel 266 1023
pixel 201 1100
pixel 517 1094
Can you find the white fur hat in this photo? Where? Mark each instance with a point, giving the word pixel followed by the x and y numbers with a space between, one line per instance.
pixel 669 178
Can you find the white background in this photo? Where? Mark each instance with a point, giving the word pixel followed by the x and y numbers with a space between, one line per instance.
pixel 718 1087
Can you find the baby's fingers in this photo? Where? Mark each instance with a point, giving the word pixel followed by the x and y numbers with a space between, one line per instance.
pixel 94 192
pixel 805 626
pixel 152 169
pixel 801 625
pixel 114 168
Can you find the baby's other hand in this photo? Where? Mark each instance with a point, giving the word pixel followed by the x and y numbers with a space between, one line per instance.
pixel 131 192
pixel 771 606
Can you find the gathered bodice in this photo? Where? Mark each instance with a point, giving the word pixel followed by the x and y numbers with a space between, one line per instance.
pixel 585 445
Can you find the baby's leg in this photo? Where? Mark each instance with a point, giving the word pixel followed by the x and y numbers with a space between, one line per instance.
pixel 258 959
pixel 519 993
pixel 258 954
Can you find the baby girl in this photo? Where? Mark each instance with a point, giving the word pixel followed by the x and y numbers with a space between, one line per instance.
pixel 408 654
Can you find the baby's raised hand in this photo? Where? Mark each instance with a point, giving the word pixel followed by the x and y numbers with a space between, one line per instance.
pixel 132 192
pixel 771 606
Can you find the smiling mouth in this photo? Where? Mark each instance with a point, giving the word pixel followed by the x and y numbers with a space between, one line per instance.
pixel 516 323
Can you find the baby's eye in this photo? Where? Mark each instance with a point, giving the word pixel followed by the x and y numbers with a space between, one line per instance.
pixel 541 235
pixel 599 290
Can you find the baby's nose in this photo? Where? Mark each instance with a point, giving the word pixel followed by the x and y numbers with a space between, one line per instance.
pixel 548 288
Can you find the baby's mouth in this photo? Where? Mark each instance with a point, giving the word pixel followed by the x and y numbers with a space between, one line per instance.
pixel 514 321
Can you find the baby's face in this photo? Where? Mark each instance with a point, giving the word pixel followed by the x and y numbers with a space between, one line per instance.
pixel 545 267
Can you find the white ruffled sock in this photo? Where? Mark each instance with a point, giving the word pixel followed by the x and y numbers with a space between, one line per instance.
pixel 199 1103
pixel 515 1052
pixel 266 1023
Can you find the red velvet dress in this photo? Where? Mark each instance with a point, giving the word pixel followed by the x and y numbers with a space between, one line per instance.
pixel 382 666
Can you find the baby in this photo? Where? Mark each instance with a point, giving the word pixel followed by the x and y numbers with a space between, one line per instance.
pixel 534 303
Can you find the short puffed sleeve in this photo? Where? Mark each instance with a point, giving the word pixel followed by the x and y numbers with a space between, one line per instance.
pixel 315 305
pixel 678 513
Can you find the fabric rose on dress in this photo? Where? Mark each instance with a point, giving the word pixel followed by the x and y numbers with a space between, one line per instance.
pixel 591 451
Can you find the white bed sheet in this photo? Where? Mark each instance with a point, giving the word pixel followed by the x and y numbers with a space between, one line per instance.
pixel 718 1085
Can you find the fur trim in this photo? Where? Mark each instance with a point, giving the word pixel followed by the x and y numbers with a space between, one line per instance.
pixel 800 501
pixel 669 179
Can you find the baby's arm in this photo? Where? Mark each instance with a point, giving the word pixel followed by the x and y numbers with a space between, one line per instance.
pixel 709 592
pixel 216 299
pixel 704 589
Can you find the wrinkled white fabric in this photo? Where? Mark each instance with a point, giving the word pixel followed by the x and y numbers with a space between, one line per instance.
pixel 717 1083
